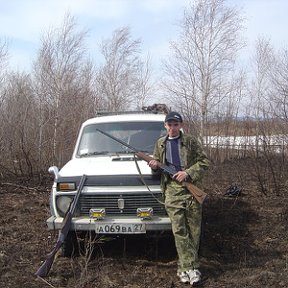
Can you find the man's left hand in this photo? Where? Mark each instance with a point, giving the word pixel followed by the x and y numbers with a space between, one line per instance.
pixel 180 176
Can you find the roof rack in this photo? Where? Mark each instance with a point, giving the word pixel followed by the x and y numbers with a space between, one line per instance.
pixel 154 109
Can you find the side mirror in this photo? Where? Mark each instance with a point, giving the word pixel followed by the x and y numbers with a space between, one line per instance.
pixel 54 170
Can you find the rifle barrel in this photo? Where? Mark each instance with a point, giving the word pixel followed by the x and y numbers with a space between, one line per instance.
pixel 196 192
pixel 117 140
pixel 46 266
pixel 140 154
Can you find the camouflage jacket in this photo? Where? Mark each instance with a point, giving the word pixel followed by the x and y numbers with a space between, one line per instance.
pixel 193 158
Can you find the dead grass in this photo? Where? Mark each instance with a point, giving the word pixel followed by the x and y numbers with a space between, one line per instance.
pixel 244 242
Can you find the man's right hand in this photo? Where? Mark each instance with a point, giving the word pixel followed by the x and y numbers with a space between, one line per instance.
pixel 154 164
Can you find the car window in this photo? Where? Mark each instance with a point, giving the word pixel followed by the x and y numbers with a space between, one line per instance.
pixel 140 135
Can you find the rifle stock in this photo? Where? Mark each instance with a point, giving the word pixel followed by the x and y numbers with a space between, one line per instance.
pixel 46 266
pixel 198 194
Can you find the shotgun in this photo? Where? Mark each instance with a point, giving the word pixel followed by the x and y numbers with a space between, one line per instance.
pixel 198 194
pixel 45 267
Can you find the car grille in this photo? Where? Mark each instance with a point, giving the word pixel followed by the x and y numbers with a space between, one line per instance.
pixel 132 201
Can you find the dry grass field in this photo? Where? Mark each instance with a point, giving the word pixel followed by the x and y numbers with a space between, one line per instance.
pixel 244 241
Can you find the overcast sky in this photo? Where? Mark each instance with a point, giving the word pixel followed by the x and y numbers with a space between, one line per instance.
pixel 22 22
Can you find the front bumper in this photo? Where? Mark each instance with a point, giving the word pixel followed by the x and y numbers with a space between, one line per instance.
pixel 88 224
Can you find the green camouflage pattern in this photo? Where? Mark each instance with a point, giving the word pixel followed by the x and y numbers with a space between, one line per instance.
pixel 194 159
pixel 185 214
pixel 183 210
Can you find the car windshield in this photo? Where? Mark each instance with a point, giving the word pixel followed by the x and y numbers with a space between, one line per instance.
pixel 140 135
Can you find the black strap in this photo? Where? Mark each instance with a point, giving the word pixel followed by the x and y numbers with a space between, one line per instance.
pixel 143 181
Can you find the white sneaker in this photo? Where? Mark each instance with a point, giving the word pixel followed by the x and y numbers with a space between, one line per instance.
pixel 194 276
pixel 184 278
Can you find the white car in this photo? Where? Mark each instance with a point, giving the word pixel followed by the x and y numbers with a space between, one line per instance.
pixel 114 199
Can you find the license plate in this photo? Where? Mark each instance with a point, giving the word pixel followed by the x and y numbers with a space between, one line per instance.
pixel 120 228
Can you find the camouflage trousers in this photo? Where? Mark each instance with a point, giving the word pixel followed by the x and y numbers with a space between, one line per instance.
pixel 185 214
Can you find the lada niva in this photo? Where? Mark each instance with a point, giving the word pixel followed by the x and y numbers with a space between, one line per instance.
pixel 115 198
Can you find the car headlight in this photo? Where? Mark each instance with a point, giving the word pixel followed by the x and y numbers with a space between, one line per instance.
pixel 63 204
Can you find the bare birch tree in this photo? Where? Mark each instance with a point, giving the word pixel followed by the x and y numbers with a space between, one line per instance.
pixel 280 83
pixel 3 65
pixel 124 79
pixel 3 96
pixel 63 79
pixel 19 125
pixel 268 166
pixel 197 73
pixel 262 63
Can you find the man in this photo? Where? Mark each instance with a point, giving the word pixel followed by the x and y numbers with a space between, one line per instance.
pixel 185 154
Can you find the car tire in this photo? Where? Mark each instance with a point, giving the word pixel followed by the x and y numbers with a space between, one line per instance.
pixel 70 246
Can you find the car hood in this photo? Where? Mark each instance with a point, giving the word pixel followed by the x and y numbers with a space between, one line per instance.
pixel 104 165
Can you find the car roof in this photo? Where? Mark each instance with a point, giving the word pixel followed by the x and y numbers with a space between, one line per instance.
pixel 131 117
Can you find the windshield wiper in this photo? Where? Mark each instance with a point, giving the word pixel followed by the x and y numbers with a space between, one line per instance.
pixel 94 153
pixel 123 152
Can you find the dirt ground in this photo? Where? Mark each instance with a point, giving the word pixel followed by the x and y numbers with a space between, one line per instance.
pixel 244 242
